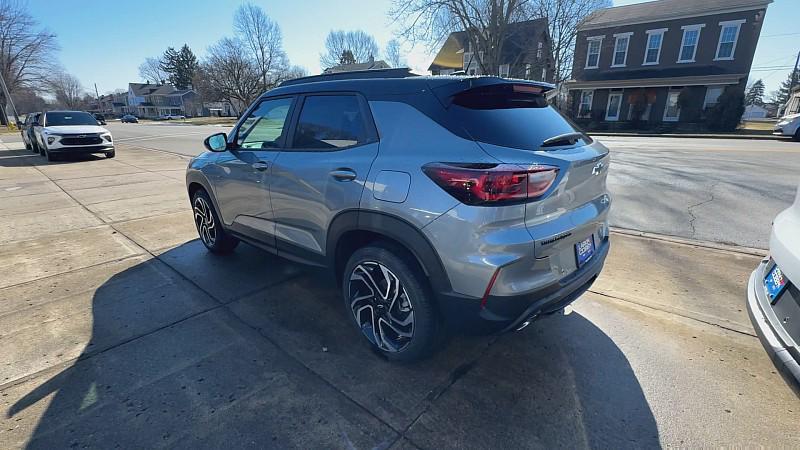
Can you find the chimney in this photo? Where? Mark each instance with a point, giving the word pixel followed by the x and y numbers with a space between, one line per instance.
pixel 371 59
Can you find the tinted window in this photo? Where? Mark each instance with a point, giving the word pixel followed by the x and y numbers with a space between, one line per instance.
pixel 54 119
pixel 329 122
pixel 509 116
pixel 263 128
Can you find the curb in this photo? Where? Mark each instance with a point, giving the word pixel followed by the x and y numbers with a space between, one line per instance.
pixel 766 137
pixel 742 250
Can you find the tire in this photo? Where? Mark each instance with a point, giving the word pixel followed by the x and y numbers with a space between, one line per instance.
pixel 111 154
pixel 28 146
pixel 796 136
pixel 408 298
pixel 209 227
pixel 50 156
pixel 36 148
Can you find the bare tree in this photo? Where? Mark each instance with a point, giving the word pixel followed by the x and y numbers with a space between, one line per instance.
pixel 264 40
pixel 67 90
pixel 486 22
pixel 563 18
pixel 359 43
pixel 26 50
pixel 392 53
pixel 230 74
pixel 150 70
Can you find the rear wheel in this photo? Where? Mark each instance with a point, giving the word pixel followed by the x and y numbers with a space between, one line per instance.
pixel 213 236
pixel 389 301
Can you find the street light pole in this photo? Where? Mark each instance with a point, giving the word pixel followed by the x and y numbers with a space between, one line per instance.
pixel 10 100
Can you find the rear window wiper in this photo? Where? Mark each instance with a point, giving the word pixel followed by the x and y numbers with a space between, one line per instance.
pixel 564 139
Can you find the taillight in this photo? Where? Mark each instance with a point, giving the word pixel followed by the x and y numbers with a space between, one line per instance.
pixel 492 184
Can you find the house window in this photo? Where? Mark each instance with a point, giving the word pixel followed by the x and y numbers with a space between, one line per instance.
pixel 712 96
pixel 593 52
pixel 645 114
pixel 671 110
pixel 527 71
pixel 691 37
pixel 539 51
pixel 544 74
pixel 585 106
pixel 652 53
pixel 621 49
pixel 728 36
pixel 504 70
pixel 614 105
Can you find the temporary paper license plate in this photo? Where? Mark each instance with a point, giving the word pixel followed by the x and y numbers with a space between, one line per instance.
pixel 584 250
pixel 775 282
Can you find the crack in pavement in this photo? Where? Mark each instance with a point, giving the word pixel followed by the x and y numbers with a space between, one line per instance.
pixel 696 205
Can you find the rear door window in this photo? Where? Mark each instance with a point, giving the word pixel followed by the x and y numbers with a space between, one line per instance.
pixel 510 116
pixel 330 122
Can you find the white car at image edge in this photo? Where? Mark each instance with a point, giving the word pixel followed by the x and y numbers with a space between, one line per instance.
pixel 788 126
pixel 58 133
pixel 773 295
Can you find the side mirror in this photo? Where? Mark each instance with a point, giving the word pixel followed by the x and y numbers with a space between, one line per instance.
pixel 216 142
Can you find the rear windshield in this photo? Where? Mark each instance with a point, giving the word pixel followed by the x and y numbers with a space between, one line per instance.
pixel 55 119
pixel 510 116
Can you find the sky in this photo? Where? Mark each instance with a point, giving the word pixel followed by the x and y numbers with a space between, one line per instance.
pixel 104 42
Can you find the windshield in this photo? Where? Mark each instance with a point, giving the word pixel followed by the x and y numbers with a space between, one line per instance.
pixel 55 119
pixel 511 116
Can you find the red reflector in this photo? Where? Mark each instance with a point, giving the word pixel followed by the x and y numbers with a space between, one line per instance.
pixel 492 184
pixel 489 288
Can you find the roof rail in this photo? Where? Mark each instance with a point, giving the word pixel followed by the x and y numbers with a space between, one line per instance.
pixel 402 72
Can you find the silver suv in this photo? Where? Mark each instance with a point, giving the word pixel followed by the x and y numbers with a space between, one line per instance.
pixel 440 203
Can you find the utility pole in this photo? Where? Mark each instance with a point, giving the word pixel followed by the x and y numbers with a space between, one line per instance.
pixel 10 100
pixel 97 94
pixel 794 73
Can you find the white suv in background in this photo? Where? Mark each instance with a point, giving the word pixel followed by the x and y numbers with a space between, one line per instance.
pixel 788 126
pixel 71 132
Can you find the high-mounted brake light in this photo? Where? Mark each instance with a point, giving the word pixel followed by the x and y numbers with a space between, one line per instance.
pixel 492 184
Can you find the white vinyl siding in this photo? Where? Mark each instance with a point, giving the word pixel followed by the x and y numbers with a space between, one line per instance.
pixel 728 37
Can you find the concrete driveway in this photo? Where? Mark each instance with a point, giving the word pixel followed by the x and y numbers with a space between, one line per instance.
pixel 118 329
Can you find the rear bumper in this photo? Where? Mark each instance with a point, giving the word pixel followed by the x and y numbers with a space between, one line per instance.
pixel 507 313
pixel 780 354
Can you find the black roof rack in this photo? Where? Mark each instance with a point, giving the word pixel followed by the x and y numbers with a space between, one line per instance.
pixel 403 72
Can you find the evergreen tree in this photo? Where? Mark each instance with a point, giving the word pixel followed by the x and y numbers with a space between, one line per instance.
pixel 755 95
pixel 181 65
pixel 781 96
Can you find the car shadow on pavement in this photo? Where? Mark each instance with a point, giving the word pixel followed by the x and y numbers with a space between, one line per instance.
pixel 171 364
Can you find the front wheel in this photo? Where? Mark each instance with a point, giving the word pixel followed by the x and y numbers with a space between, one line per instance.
pixel 389 301
pixel 796 136
pixel 213 236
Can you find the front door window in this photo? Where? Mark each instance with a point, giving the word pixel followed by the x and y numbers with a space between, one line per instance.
pixel 614 103
pixel 672 111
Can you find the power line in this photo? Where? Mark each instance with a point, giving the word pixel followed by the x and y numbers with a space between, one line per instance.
pixel 779 35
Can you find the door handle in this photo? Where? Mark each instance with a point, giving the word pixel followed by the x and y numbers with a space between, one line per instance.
pixel 261 165
pixel 343 174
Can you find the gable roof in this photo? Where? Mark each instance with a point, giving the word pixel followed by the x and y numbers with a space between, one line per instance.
pixel 143 89
pixel 666 10
pixel 369 65
pixel 449 56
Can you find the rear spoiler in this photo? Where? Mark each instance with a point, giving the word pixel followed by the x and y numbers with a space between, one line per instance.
pixel 445 93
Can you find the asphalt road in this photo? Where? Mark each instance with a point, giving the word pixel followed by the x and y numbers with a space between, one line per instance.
pixel 718 190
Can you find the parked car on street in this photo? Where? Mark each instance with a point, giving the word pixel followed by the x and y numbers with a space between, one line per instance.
pixel 438 203
pixel 773 295
pixel 70 132
pixel 788 126
pixel 129 118
pixel 26 130
pixel 171 117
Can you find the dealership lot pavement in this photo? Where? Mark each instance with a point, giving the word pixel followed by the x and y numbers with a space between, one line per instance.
pixel 118 329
